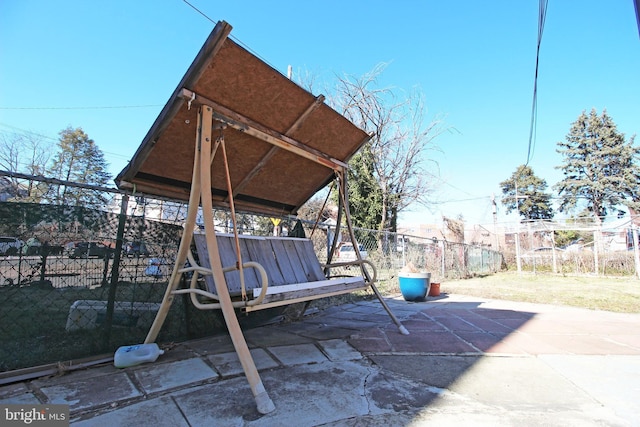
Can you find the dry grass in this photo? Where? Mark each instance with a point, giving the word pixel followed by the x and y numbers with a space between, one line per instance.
pixel 598 293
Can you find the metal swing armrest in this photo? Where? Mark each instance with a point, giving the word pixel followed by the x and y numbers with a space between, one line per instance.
pixel 198 270
pixel 359 263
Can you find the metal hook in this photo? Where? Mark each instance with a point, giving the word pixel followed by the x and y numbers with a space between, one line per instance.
pixel 221 127
pixel 193 96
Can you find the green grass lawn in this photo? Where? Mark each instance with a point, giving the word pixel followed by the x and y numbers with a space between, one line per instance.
pixel 598 293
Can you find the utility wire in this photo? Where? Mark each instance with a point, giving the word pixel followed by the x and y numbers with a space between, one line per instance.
pixel 233 37
pixel 28 132
pixel 24 131
pixel 199 11
pixel 542 15
pixel 115 107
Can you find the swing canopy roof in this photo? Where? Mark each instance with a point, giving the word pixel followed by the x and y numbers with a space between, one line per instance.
pixel 283 144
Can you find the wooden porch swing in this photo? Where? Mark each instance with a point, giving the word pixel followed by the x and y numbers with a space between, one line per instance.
pixel 238 134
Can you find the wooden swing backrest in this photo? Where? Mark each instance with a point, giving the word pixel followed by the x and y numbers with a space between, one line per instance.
pixel 287 260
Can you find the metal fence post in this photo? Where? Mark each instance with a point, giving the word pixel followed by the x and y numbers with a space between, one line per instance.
pixel 114 271
pixel 442 258
pixel 636 251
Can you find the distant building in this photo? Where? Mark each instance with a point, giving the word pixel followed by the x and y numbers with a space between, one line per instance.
pixel 9 190
pixel 426 231
pixel 470 234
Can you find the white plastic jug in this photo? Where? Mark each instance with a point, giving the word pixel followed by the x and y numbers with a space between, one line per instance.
pixel 132 355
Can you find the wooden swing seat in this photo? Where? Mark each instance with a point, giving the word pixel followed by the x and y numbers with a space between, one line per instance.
pixel 293 270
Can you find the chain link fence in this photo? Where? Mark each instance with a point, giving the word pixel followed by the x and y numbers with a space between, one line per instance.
pixel 576 247
pixel 76 283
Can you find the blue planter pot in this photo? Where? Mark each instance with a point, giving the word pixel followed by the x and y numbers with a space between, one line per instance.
pixel 414 286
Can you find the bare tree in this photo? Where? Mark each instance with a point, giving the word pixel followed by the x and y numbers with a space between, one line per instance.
pixel 24 153
pixel 10 147
pixel 455 228
pixel 399 145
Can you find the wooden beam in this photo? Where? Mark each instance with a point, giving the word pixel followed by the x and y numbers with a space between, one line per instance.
pixel 303 117
pixel 296 290
pixel 277 298
pixel 263 161
pixel 299 121
pixel 248 126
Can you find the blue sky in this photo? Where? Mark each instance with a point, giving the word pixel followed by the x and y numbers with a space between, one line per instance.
pixel 109 67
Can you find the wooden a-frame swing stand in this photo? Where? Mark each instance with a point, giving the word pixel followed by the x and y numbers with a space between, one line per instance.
pixel 211 264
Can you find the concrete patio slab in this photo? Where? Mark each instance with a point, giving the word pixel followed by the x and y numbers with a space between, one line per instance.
pixel 162 377
pixel 90 392
pixel 298 354
pixel 466 362
pixel 228 364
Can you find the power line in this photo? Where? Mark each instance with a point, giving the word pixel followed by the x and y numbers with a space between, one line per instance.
pixel 448 184
pixel 199 11
pixel 115 107
pixel 461 200
pixel 24 131
pixel 233 37
pixel 542 16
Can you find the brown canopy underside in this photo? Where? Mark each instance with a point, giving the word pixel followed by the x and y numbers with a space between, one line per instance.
pixel 282 142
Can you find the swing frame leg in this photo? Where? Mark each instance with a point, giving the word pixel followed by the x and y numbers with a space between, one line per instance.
pixel 344 201
pixel 203 148
pixel 201 194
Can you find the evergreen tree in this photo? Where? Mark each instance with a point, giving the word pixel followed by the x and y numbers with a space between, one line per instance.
pixel 365 195
pixel 78 160
pixel 601 171
pixel 530 200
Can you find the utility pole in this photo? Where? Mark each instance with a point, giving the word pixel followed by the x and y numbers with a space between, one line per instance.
pixel 518 261
pixel 495 221
pixel 636 251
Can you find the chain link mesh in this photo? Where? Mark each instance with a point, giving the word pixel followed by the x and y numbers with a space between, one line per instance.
pixel 61 267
